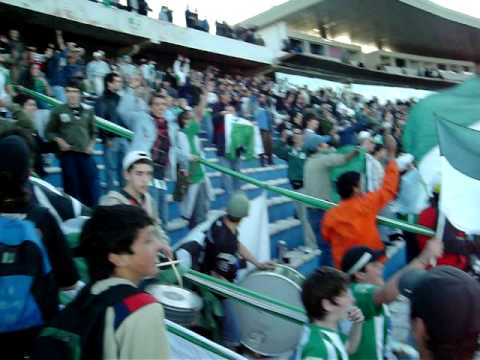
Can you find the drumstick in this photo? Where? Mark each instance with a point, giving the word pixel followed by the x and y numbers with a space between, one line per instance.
pixel 166 263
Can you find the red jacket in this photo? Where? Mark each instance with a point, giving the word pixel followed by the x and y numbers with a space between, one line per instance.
pixel 428 218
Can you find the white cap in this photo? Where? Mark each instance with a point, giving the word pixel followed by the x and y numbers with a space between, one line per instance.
pixel 134 156
pixel 364 135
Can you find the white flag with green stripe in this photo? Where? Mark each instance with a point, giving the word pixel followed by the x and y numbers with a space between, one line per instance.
pixel 459 104
pixel 460 170
pixel 242 133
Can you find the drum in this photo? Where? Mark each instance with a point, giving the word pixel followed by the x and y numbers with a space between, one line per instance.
pixel 181 306
pixel 262 332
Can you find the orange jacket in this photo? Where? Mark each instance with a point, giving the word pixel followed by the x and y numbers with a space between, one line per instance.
pixel 353 221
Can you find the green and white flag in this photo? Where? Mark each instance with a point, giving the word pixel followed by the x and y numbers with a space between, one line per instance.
pixel 459 104
pixel 240 132
pixel 460 170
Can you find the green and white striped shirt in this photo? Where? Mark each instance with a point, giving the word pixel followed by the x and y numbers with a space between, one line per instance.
pixel 320 343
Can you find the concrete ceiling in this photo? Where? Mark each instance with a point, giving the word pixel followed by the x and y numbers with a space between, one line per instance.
pixel 409 26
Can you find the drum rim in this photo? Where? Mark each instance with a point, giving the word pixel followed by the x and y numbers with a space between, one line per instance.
pixel 283 277
pixel 197 297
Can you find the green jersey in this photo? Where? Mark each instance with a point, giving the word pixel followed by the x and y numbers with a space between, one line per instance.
pixel 373 344
pixel 319 343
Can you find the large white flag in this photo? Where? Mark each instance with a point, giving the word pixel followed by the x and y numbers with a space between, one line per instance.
pixel 181 348
pixel 460 172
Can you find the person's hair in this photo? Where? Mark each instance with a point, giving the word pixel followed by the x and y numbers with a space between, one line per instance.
pixel 325 283
pixel 75 83
pixel 454 349
pixel 309 116
pixel 183 118
pixel 346 183
pixel 28 81
pixel 21 99
pixel 111 229
pixel 109 78
pixel 154 96
pixel 377 148
pixel 138 162
pixel 15 195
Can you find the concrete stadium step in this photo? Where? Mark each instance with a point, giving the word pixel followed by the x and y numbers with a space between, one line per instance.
pixel 221 198
pixel 288 230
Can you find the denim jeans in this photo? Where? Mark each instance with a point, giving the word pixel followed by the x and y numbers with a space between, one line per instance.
pixel 113 157
pixel 201 207
pixel 315 217
pixel 230 325
pixel 160 197
pixel 80 177
pixel 230 184
pixel 207 126
pixel 59 93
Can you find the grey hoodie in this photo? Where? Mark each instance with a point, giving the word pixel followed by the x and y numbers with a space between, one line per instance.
pixel 117 198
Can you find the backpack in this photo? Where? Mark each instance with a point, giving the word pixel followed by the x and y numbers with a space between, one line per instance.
pixel 77 332
pixel 28 293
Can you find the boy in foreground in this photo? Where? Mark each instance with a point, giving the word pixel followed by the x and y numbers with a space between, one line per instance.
pixel 327 300
pixel 121 248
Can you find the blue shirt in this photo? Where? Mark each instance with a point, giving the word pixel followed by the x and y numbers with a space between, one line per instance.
pixel 264 120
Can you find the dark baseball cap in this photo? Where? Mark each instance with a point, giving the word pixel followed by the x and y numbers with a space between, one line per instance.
pixel 358 257
pixel 446 299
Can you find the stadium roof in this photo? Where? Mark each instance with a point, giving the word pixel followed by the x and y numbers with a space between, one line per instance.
pixel 407 26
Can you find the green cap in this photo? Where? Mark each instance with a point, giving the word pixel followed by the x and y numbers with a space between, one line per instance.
pixel 238 205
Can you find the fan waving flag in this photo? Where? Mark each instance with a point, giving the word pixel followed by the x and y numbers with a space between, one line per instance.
pixel 459 104
pixel 460 169
pixel 241 134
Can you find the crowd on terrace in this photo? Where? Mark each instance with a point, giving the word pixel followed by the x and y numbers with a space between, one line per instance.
pixel 169 108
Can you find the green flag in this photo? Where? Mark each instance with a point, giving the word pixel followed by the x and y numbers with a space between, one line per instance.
pixel 459 104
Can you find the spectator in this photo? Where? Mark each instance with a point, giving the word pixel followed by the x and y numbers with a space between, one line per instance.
pixel 5 84
pixel 223 253
pixel 444 312
pixel 97 69
pixel 374 171
pixel 143 7
pixel 353 221
pixel 35 81
pixel 327 300
pixel 457 247
pixel 181 68
pixel 42 257
pixel 164 14
pixel 126 68
pixel 114 147
pixel 27 117
pixel 195 204
pixel 138 172
pixel 121 250
pixel 264 119
pixel 55 62
pixel 16 49
pixel 73 128
pixel 134 111
pixel 372 295
pixel 160 155
pixel 148 72
pixel 290 148
pixel 191 18
pixel 219 110
pixel 316 175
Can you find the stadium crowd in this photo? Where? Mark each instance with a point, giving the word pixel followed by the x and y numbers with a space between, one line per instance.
pixel 168 108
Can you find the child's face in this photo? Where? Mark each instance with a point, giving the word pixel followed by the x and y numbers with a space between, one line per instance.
pixel 142 263
pixel 344 303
